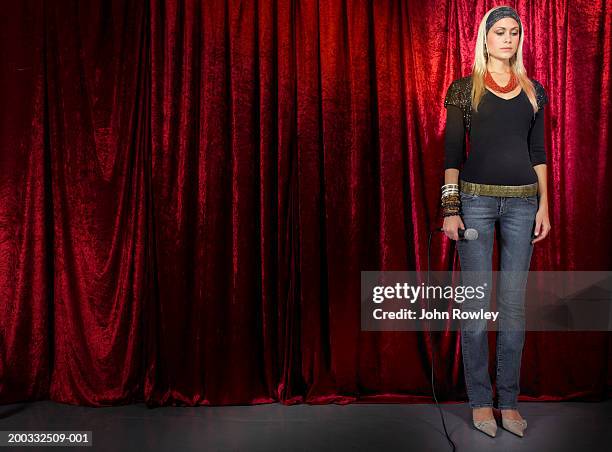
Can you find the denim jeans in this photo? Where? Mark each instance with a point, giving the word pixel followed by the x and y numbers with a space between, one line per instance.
pixel 516 218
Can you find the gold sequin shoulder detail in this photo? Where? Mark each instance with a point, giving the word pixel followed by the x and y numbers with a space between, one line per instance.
pixel 458 94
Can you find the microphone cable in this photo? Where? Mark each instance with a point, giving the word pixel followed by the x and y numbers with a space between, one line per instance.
pixel 433 387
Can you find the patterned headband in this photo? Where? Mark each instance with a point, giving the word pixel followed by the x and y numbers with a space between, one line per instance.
pixel 500 13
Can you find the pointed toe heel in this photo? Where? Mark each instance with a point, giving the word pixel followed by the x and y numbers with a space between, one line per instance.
pixel 489 427
pixel 515 426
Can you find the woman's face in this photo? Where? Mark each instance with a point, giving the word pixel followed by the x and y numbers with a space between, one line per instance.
pixel 503 38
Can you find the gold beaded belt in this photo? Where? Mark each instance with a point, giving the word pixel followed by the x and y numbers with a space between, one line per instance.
pixel 498 190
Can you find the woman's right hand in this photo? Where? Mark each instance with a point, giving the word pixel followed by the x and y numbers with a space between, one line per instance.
pixel 452 225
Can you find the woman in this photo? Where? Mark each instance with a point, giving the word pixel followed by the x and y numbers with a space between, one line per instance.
pixel 502 181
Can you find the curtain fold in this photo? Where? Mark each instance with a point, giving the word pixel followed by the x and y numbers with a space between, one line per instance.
pixel 190 189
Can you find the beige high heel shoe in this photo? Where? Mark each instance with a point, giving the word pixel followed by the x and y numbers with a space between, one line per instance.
pixel 515 426
pixel 489 426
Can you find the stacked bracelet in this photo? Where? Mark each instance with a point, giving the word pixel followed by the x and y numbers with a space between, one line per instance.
pixel 451 202
pixel 449 189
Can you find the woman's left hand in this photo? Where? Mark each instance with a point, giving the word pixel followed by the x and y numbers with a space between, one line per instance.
pixel 542 226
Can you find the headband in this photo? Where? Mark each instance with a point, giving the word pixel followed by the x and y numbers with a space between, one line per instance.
pixel 500 13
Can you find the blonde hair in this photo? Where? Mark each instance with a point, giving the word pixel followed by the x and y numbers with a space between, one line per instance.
pixel 479 67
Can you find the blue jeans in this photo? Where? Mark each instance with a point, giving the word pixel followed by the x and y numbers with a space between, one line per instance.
pixel 516 217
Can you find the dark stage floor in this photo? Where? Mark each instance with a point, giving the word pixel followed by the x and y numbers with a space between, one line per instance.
pixel 368 427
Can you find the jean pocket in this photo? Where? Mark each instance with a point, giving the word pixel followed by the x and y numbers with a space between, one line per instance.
pixel 531 200
pixel 468 196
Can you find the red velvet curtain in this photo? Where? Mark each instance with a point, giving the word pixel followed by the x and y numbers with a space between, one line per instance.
pixel 190 189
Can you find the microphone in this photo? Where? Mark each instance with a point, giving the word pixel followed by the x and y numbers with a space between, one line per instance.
pixel 464 234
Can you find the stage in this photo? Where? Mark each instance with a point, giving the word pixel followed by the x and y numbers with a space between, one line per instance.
pixel 563 426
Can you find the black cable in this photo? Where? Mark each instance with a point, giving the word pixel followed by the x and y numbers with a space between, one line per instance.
pixel 433 387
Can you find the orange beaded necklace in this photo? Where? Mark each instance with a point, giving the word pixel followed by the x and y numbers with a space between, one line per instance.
pixel 512 83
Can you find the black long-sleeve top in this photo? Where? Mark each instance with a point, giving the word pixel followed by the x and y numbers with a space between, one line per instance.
pixel 506 141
